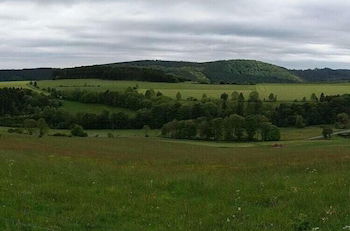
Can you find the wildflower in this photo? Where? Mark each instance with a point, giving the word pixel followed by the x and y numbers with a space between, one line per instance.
pixel 315 228
pixel 347 227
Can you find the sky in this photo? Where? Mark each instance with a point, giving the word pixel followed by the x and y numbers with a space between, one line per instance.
pixel 297 34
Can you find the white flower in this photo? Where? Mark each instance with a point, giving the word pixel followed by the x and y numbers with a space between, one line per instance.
pixel 347 227
pixel 315 228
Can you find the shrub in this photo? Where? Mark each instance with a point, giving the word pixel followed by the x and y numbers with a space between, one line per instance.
pixel 327 132
pixel 15 130
pixel 78 131
pixel 61 135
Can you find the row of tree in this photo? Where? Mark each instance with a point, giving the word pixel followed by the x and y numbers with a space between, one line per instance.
pixel 325 111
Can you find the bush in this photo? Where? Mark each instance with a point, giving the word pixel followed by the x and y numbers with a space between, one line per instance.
pixel 270 132
pixel 15 130
pixel 327 132
pixel 78 131
pixel 61 135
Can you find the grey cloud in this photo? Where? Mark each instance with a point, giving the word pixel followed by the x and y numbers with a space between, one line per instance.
pixel 293 33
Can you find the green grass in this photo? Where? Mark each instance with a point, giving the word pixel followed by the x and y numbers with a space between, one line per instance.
pixel 187 89
pixel 285 92
pixel 76 107
pixel 143 184
pixel 21 84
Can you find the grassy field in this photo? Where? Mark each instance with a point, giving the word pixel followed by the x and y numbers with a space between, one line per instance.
pixel 130 182
pixel 150 184
pixel 14 84
pixel 285 92
pixel 76 107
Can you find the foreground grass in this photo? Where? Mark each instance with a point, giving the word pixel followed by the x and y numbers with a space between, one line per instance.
pixel 144 184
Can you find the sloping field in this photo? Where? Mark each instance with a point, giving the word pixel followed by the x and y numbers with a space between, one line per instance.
pixel 76 107
pixel 187 89
pixel 285 92
pixel 143 184
pixel 22 84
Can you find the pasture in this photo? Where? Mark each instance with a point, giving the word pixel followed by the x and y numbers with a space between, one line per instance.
pixel 139 183
pixel 76 107
pixel 285 92
pixel 130 182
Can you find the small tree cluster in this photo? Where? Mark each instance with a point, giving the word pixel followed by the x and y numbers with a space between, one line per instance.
pixel 327 132
pixel 272 98
pixel 78 131
pixel 342 121
pixel 39 127
pixel 233 127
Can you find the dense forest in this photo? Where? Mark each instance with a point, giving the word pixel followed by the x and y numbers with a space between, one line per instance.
pixel 230 117
pixel 26 74
pixel 226 71
pixel 231 71
pixel 116 73
pixel 323 75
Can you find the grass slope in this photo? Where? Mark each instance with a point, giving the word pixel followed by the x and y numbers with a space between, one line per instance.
pixel 143 184
pixel 76 107
pixel 285 92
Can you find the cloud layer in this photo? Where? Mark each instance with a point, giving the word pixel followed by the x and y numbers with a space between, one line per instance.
pixel 60 33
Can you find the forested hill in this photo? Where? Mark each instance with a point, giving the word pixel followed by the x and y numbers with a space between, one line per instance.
pixel 26 74
pixel 225 71
pixel 323 75
pixel 230 71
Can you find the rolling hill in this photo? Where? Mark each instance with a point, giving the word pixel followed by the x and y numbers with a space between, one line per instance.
pixel 228 71
pixel 224 71
pixel 26 74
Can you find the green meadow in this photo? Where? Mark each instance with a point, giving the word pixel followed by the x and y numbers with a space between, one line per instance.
pixel 76 107
pixel 121 180
pixel 285 92
pixel 136 183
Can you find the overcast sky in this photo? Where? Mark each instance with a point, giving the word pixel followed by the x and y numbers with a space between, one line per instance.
pixel 62 33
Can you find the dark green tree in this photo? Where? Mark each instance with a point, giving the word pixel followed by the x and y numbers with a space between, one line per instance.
pixel 327 132
pixel 30 125
pixel 43 127
pixel 299 121
pixel 78 130
pixel 178 96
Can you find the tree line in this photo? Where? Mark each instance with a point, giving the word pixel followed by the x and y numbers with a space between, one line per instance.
pixel 110 72
pixel 321 110
pixel 178 117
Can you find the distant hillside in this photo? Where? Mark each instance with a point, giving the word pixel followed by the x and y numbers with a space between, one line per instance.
pixel 26 74
pixel 111 72
pixel 323 75
pixel 225 71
